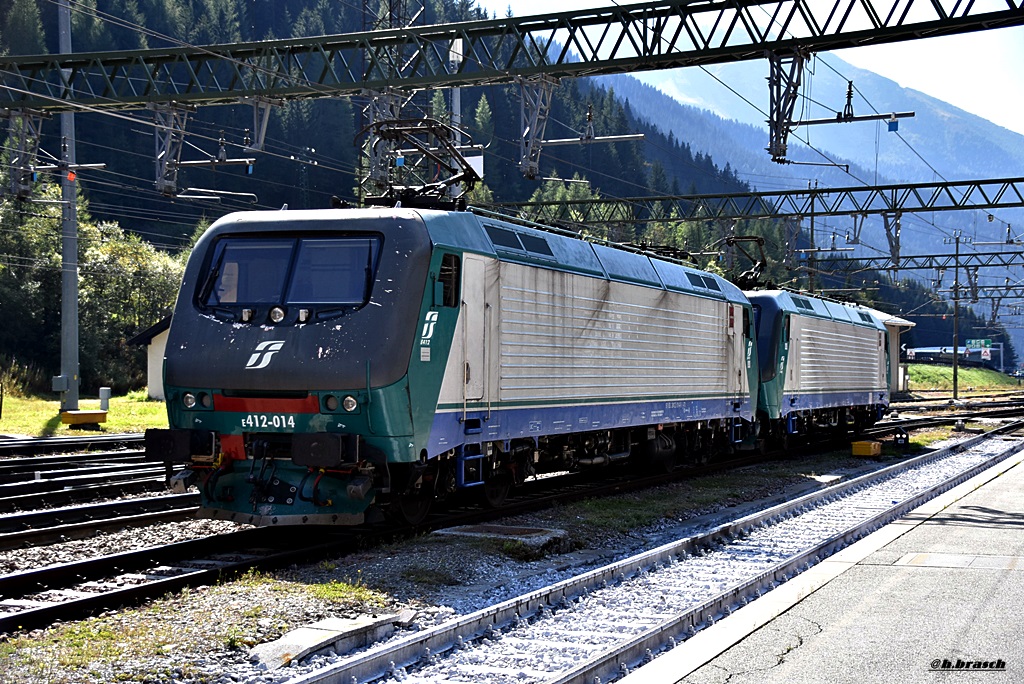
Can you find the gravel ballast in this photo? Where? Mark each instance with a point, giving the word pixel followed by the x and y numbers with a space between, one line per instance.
pixel 203 635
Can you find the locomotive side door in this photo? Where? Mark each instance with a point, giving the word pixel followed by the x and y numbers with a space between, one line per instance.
pixel 474 313
pixel 736 348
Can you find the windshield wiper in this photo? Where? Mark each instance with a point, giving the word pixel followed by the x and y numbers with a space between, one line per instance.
pixel 211 280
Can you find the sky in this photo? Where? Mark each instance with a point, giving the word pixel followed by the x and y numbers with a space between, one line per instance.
pixel 978 72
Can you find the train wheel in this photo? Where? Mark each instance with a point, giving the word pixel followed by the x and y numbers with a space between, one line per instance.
pixel 411 509
pixel 411 503
pixel 495 488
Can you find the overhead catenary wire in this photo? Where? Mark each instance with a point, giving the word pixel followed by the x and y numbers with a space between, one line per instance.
pixel 175 41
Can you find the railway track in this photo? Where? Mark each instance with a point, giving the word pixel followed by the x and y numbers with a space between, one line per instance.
pixel 598 626
pixel 84 493
pixel 36 598
pixel 886 427
pixel 31 482
pixel 39 597
pixel 79 522
pixel 13 466
pixel 51 483
pixel 33 446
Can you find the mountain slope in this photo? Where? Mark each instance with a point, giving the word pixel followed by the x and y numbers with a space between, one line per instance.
pixel 958 144
pixel 955 144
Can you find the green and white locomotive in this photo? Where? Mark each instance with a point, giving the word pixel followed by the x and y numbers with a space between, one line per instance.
pixel 824 366
pixel 327 366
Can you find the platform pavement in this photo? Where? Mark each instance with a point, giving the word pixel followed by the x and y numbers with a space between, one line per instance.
pixel 944 583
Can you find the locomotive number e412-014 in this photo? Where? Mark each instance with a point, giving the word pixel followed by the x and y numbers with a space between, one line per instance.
pixel 265 420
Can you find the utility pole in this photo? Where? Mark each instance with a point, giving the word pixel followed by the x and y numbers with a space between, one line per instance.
pixel 455 58
pixel 67 382
pixel 810 254
pixel 956 240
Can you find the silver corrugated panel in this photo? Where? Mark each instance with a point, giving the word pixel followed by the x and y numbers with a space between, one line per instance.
pixel 833 356
pixel 570 337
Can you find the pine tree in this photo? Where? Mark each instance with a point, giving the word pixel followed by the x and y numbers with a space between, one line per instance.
pixel 23 29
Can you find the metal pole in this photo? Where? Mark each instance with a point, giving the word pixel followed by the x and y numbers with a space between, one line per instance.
pixel 956 311
pixel 455 58
pixel 810 254
pixel 69 241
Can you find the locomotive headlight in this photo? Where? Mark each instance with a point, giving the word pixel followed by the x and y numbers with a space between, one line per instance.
pixel 189 400
pixel 277 314
pixel 331 402
pixel 349 403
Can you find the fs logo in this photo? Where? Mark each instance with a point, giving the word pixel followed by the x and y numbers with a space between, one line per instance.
pixel 428 328
pixel 263 354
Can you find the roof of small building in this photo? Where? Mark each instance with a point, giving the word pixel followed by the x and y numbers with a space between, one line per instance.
pixel 147 335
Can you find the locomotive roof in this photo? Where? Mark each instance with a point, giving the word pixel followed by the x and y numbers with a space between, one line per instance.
pixel 507 241
pixel 815 307
pixel 567 252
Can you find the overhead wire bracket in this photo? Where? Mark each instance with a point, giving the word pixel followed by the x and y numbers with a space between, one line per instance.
pixel 261 108
pixel 853 238
pixel 847 115
pixel 972 282
pixel 171 120
pixel 535 95
pixel 221 158
pixel 588 136
pixel 785 74
pixel 892 234
pixel 24 129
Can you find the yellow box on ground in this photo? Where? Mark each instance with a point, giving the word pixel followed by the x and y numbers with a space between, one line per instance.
pixel 83 417
pixel 866 448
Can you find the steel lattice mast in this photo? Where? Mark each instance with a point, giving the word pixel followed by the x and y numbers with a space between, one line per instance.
pixel 861 201
pixel 636 37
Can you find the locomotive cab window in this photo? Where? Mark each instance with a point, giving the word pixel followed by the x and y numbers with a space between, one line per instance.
pixel 333 271
pixel 318 271
pixel 449 280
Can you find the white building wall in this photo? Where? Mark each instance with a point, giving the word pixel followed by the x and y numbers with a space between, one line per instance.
pixel 155 365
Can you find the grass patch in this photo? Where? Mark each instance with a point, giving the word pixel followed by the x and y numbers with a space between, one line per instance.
pixel 40 417
pixel 348 593
pixel 237 614
pixel 520 551
pixel 925 438
pixel 66 652
pixel 622 514
pixel 431 577
pixel 253 578
pixel 928 377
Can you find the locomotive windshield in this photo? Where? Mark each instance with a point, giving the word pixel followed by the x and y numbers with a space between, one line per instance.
pixel 335 271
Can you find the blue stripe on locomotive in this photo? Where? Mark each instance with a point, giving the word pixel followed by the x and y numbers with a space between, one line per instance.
pixel 450 430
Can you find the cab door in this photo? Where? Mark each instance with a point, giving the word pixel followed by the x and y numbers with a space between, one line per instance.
pixel 474 315
pixel 736 348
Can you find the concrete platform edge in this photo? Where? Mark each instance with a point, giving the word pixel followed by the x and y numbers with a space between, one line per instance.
pixel 709 643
